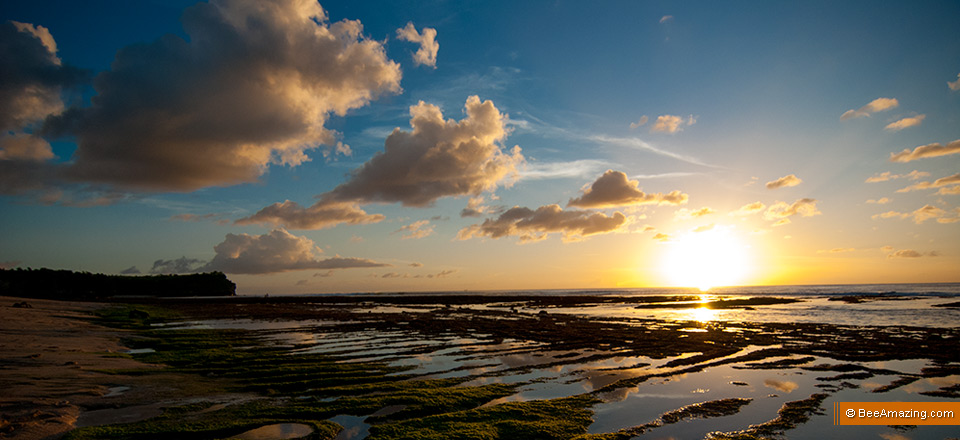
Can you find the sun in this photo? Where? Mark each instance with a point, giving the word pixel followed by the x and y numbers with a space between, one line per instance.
pixel 706 259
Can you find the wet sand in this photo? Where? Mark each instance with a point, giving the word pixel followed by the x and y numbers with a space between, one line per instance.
pixel 49 352
pixel 51 362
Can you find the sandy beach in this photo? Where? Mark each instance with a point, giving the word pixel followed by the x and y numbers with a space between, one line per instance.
pixel 49 352
pixel 52 358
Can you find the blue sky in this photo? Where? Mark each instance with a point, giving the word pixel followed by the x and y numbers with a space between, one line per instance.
pixel 709 100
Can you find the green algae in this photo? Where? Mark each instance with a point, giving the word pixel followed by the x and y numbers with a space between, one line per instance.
pixel 243 361
pixel 713 408
pixel 709 409
pixel 191 422
pixel 789 416
pixel 555 419
pixel 311 388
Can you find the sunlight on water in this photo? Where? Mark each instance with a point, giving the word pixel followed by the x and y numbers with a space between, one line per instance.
pixel 703 314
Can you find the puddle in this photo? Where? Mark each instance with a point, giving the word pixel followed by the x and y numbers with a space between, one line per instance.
pixel 139 351
pixel 116 391
pixel 354 427
pixel 278 431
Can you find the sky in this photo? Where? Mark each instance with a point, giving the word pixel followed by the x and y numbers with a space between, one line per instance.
pixel 305 147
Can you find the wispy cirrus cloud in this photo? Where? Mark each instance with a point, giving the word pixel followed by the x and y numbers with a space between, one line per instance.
pixel 558 170
pixel 877 105
pixel 216 217
pixel 416 230
pixel 640 144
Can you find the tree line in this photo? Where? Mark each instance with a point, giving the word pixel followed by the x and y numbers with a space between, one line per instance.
pixel 70 285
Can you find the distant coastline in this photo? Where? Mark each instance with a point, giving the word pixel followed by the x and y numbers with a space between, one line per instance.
pixel 69 285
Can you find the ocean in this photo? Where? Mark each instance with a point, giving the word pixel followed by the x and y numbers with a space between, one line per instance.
pixel 916 304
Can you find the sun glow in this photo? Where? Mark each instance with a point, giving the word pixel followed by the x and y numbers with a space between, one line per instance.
pixel 706 259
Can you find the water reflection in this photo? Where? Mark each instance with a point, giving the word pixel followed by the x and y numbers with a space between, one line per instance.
pixel 354 427
pixel 278 431
pixel 784 386
pixel 703 314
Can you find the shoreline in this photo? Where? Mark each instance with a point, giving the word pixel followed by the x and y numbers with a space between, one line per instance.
pixel 60 371
pixel 51 354
pixel 138 388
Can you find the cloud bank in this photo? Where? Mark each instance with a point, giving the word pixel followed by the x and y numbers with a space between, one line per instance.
pixel 33 76
pixel 273 252
pixel 33 80
pixel 253 85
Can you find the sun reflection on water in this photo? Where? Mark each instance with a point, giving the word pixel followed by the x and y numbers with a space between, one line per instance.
pixel 703 314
